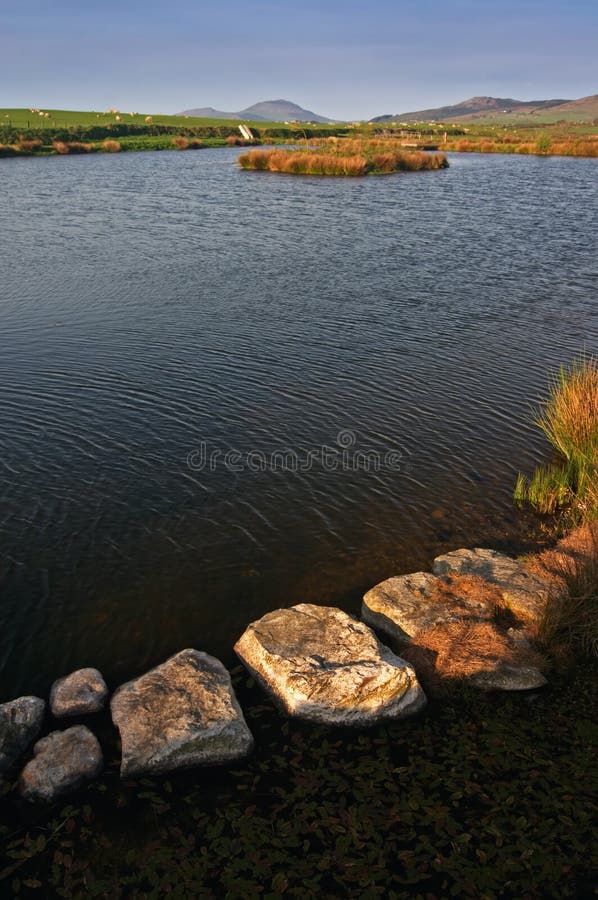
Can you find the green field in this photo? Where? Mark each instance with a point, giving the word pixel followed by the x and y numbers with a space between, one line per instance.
pixel 68 118
pixel 25 132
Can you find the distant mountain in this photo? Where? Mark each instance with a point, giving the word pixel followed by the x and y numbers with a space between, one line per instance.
pixel 208 112
pixel 586 108
pixel 478 108
pixel 266 111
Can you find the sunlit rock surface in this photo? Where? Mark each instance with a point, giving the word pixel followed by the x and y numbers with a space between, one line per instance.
pixel 523 593
pixel 403 605
pixel 320 664
pixel 80 693
pixel 62 762
pixel 20 723
pixel 182 713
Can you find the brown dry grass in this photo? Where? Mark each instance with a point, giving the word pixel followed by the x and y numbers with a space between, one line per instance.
pixel 180 142
pixel 342 157
pixel 64 147
pixel 451 590
pixel 447 654
pixel 563 146
pixel 570 620
pixel 25 146
pixel 110 146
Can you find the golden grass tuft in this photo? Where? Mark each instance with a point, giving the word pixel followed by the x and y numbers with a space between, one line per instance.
pixel 64 147
pixel 453 652
pixel 458 592
pixel 109 146
pixel 342 157
pixel 569 419
pixel 185 143
pixel 27 146
pixel 570 620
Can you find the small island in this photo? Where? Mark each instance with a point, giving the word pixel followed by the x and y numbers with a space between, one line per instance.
pixel 343 157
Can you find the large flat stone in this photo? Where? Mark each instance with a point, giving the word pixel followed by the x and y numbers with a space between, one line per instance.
pixel 403 605
pixel 20 723
pixel 62 762
pixel 320 664
pixel 523 593
pixel 183 713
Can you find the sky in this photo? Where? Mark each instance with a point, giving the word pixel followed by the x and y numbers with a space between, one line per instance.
pixel 347 59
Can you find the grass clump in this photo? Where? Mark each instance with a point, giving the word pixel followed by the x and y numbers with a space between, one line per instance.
pixel 109 146
pixel 342 157
pixel 65 147
pixel 570 620
pixel 569 419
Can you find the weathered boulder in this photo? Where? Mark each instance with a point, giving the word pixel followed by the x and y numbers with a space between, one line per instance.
pixel 62 762
pixel 405 604
pixel 320 664
pixel 182 713
pixel 523 593
pixel 79 693
pixel 21 721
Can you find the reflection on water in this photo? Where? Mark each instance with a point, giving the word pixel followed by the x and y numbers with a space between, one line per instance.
pixel 157 307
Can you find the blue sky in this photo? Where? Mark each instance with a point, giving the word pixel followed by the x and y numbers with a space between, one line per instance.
pixel 341 58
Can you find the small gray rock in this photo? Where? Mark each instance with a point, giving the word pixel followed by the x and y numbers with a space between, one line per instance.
pixel 21 721
pixel 524 594
pixel 322 665
pixel 182 713
pixel 505 677
pixel 62 762
pixel 78 694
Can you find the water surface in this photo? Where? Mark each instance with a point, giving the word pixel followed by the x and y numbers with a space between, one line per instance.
pixel 159 308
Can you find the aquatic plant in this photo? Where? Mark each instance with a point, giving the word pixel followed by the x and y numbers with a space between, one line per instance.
pixel 478 797
pixel 342 157
pixel 569 419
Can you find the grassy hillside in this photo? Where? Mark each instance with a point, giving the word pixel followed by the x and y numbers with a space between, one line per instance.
pixel 68 118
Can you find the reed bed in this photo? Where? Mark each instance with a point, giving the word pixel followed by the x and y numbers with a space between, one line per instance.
pixel 65 147
pixel 343 157
pixel 543 146
pixel 184 143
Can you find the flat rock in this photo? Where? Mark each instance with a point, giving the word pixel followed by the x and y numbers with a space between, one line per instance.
pixel 79 693
pixel 320 664
pixel 21 721
pixel 523 593
pixel 403 605
pixel 62 762
pixel 183 713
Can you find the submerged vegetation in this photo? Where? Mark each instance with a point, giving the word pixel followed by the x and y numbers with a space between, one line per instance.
pixel 343 157
pixel 480 796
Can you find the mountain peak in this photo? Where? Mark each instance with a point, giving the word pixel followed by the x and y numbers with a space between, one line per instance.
pixel 264 111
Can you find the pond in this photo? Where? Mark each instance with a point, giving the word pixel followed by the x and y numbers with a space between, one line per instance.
pixel 222 392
